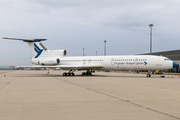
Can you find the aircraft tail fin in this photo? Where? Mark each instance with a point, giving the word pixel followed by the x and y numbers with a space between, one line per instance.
pixel 35 45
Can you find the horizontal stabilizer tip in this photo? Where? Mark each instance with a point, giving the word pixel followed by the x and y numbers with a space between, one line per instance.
pixel 25 40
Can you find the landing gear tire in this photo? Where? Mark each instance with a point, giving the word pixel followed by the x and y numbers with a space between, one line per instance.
pixel 68 74
pixel 83 74
pixel 86 73
pixel 71 74
pixel 64 74
pixel 89 73
pixel 148 75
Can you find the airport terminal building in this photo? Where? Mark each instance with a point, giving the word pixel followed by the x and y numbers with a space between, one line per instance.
pixel 173 55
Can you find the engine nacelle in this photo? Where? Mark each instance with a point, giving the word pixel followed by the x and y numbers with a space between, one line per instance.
pixel 49 62
pixel 57 52
pixel 46 61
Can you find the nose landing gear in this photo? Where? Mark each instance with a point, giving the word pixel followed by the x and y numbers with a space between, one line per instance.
pixel 148 75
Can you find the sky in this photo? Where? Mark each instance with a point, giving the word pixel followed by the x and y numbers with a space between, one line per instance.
pixel 76 24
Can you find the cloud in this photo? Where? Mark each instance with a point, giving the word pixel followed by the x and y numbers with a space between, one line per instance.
pixel 73 25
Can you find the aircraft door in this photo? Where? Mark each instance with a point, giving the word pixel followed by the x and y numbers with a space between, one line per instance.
pixel 84 61
pixel 112 61
pixel 136 63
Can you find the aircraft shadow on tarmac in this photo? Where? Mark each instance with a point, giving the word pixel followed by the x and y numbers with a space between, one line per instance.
pixel 78 75
pixel 119 76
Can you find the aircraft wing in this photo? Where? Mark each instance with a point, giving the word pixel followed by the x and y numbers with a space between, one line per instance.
pixel 80 67
pixel 67 67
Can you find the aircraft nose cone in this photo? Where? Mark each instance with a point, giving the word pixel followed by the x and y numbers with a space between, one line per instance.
pixel 175 64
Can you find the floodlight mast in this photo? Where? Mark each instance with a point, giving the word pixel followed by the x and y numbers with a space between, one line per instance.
pixel 105 47
pixel 150 25
pixel 83 51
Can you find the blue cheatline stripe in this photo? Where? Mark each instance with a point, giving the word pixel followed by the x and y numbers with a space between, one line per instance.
pixel 38 50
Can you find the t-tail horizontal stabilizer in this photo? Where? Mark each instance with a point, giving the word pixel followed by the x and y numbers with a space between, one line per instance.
pixel 26 40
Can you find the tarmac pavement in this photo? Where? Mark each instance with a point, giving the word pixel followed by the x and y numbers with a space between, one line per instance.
pixel 36 95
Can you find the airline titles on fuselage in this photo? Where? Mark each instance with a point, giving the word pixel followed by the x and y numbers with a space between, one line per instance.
pixel 116 61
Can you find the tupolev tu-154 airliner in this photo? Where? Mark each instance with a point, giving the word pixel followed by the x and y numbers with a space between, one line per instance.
pixel 44 58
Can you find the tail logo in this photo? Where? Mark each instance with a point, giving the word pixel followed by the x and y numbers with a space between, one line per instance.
pixel 38 50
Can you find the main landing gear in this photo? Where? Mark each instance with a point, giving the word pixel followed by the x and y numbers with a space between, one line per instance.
pixel 88 73
pixel 70 73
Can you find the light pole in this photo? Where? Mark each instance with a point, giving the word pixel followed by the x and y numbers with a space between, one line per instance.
pixel 96 53
pixel 104 47
pixel 150 25
pixel 83 51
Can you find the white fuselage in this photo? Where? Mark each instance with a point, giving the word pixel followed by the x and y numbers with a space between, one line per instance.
pixel 128 62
